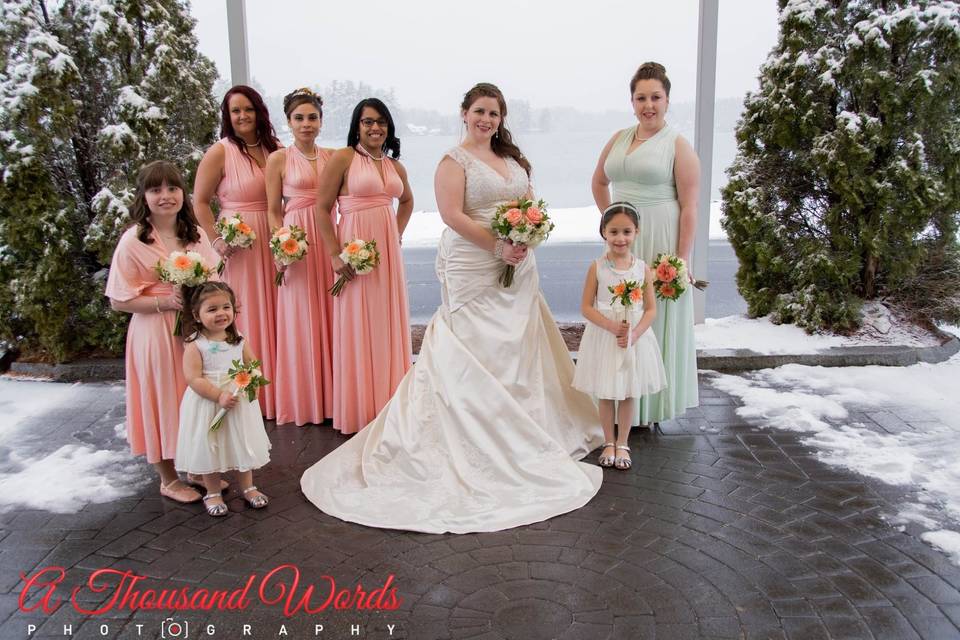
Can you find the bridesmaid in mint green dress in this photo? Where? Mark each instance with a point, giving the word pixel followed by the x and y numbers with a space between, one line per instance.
pixel 651 166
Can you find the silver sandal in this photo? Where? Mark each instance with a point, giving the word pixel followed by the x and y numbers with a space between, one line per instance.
pixel 256 502
pixel 215 510
pixel 607 461
pixel 623 462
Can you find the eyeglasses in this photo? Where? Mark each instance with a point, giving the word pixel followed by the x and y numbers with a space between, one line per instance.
pixel 369 122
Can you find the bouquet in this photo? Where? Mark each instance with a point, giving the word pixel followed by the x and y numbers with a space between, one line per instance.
pixel 184 269
pixel 671 277
pixel 235 233
pixel 626 293
pixel 522 222
pixel 247 378
pixel 359 254
pixel 288 245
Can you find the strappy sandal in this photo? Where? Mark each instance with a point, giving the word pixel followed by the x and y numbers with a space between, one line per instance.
pixel 196 480
pixel 607 461
pixel 256 502
pixel 215 510
pixel 623 462
pixel 179 492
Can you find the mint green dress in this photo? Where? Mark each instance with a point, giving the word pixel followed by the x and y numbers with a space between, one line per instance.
pixel 644 178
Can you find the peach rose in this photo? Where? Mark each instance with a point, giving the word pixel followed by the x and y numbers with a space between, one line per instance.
pixel 290 247
pixel 514 216
pixel 667 291
pixel 181 263
pixel 353 248
pixel 666 272
pixel 635 295
pixel 619 289
pixel 242 379
pixel 244 228
pixel 534 215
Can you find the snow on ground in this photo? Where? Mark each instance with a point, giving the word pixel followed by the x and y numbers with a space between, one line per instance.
pixel 818 401
pixel 70 477
pixel 579 224
pixel 760 335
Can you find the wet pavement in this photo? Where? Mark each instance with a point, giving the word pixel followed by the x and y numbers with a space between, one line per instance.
pixel 720 530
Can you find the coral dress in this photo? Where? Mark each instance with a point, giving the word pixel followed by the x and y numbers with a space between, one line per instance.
pixel 371 325
pixel 304 377
pixel 250 272
pixel 604 369
pixel 485 431
pixel 154 357
pixel 241 442
pixel 644 178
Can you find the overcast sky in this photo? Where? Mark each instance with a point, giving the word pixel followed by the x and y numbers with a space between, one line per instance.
pixel 550 53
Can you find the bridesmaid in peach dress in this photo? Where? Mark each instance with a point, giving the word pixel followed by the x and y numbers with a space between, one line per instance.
pixel 371 325
pixel 304 374
pixel 233 170
pixel 164 222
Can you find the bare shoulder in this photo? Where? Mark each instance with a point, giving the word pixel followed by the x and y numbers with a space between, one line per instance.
pixel 277 158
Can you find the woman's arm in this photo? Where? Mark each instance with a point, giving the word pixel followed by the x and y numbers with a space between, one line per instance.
pixel 405 206
pixel 149 304
pixel 274 178
pixel 649 306
pixel 209 174
pixel 193 372
pixel 600 184
pixel 590 312
pixel 686 171
pixel 328 188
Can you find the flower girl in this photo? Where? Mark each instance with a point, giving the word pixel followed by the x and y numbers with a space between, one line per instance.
pixel 241 442
pixel 619 360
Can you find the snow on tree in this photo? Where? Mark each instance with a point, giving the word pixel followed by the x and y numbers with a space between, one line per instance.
pixel 90 90
pixel 846 184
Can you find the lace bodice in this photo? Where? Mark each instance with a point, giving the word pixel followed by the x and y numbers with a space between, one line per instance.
pixel 485 188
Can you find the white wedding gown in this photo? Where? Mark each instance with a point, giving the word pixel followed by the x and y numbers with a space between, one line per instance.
pixel 485 431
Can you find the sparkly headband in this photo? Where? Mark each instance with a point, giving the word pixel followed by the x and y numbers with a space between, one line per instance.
pixel 624 205
pixel 303 91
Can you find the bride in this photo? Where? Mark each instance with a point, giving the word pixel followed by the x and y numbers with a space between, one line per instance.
pixel 485 432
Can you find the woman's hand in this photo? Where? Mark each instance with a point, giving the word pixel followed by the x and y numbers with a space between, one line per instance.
pixel 173 302
pixel 227 400
pixel 513 254
pixel 221 247
pixel 341 268
pixel 280 266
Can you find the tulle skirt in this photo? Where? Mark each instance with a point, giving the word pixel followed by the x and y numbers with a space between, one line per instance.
pixel 609 372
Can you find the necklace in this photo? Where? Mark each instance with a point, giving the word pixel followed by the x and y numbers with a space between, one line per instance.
pixel 613 267
pixel 255 144
pixel 362 150
pixel 636 135
pixel 305 156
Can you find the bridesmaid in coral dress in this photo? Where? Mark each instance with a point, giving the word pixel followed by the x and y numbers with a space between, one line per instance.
pixel 371 325
pixel 304 373
pixel 163 222
pixel 233 170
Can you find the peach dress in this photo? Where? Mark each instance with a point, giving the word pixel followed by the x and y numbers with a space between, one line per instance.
pixel 371 318
pixel 250 272
pixel 154 358
pixel 304 377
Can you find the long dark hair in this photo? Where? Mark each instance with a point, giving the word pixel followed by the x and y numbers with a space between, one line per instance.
pixel 392 144
pixel 265 132
pixel 193 299
pixel 502 143
pixel 154 175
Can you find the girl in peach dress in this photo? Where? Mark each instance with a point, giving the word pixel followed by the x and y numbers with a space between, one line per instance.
pixel 304 372
pixel 233 170
pixel 371 325
pixel 164 222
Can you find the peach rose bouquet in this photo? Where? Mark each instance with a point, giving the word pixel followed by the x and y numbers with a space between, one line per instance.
pixel 363 256
pixel 247 378
pixel 288 245
pixel 183 269
pixel 521 221
pixel 671 277
pixel 235 233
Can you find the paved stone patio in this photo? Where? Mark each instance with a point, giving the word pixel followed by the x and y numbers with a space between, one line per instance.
pixel 721 530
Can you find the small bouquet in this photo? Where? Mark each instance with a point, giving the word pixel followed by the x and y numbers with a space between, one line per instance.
pixel 626 293
pixel 247 378
pixel 289 245
pixel 235 233
pixel 184 269
pixel 363 256
pixel 671 277
pixel 521 221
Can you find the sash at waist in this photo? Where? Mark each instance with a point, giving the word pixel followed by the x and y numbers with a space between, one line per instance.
pixel 355 204
pixel 298 201
pixel 243 206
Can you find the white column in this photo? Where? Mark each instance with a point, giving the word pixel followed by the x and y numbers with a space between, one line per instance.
pixel 703 139
pixel 237 33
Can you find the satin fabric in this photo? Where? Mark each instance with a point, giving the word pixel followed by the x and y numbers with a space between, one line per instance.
pixel 645 179
pixel 304 378
pixel 485 431
pixel 250 272
pixel 153 357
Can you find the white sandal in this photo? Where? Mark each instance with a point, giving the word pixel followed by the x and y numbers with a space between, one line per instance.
pixel 215 510
pixel 257 502
pixel 607 461
pixel 623 462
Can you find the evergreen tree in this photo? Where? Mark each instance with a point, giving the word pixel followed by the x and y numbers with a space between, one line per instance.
pixel 846 185
pixel 90 90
